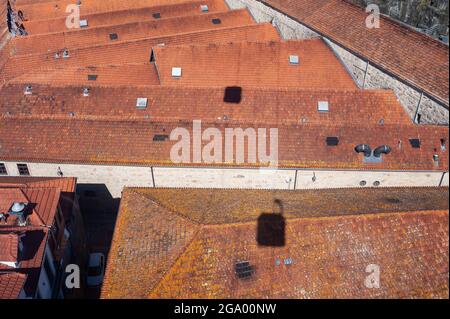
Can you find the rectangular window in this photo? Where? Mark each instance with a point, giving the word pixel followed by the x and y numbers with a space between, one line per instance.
pixel 23 169
pixel 3 170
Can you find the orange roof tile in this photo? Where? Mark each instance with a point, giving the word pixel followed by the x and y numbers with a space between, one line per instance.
pixel 195 257
pixel 9 247
pixel 78 38
pixel 54 9
pixel 254 64
pixel 65 184
pixel 131 74
pixel 282 106
pixel 44 195
pixel 130 51
pixel 128 15
pixel 130 141
pixel 413 57
pixel 11 284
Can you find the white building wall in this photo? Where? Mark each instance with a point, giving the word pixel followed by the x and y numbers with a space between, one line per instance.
pixel 430 111
pixel 116 178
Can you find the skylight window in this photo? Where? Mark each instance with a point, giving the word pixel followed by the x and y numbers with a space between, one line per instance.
pixel 28 90
pixel 204 8
pixel 160 138
pixel 244 270
pixel 415 142
pixel 176 72
pixel 83 23
pixel 156 15
pixel 332 141
pixel 216 21
pixel 92 77
pixel 113 36
pixel 322 106
pixel 141 103
pixel 293 59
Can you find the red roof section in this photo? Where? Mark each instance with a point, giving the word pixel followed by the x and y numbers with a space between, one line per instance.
pixel 254 64
pixel 131 142
pixel 136 51
pixel 54 42
pixel 127 15
pixel 43 195
pixel 11 284
pixel 9 247
pixel 258 105
pixel 194 238
pixel 413 57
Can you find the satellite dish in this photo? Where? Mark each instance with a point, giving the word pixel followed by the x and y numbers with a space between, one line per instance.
pixel 17 208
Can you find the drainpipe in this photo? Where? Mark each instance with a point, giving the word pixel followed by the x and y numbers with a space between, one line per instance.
pixel 365 75
pixel 416 113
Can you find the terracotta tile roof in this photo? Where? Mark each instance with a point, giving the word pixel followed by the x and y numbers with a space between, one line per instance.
pixel 213 207
pixel 412 56
pixel 45 194
pixel 131 51
pixel 327 256
pixel 9 247
pixel 11 284
pixel 254 64
pixel 65 184
pixel 131 74
pixel 283 106
pixel 131 142
pixel 44 200
pixel 54 9
pixel 128 15
pixel 53 42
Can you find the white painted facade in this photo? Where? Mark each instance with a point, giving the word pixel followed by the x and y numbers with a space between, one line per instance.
pixel 117 177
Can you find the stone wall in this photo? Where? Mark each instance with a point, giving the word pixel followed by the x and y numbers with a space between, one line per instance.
pixel 429 111
pixel 115 178
pixel 430 16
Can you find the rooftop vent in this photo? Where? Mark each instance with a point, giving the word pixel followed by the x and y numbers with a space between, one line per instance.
pixel 176 72
pixel 92 77
pixel 83 23
pixel 243 269
pixel 383 149
pixel 233 94
pixel 18 209
pixel 160 138
pixel 415 142
pixel 216 21
pixel 57 56
pixel 332 141
pixel 141 103
pixel 156 15
pixel 113 36
pixel 364 148
pixel 65 53
pixel 204 8
pixel 322 106
pixel 28 90
pixel 293 59
pixel 85 92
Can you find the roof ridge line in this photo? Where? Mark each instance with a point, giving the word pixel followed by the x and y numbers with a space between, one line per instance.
pixel 344 216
